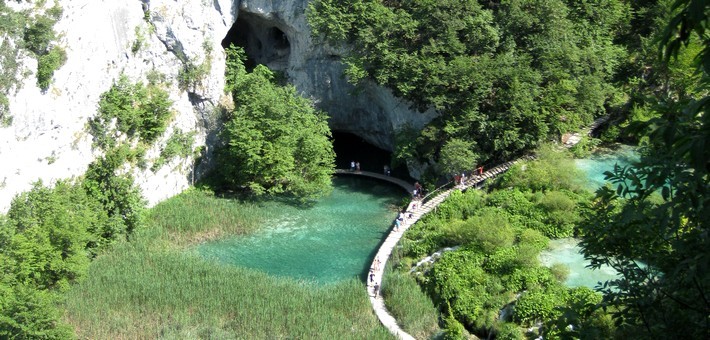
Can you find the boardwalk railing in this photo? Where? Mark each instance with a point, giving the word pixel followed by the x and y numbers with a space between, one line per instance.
pixel 417 209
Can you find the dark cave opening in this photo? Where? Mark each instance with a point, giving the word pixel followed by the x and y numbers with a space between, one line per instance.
pixel 350 147
pixel 262 39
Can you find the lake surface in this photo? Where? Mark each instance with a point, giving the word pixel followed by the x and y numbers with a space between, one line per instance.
pixel 333 240
pixel 595 166
pixel 566 251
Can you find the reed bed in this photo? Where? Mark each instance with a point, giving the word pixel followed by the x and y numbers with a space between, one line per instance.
pixel 197 216
pixel 133 293
pixel 413 309
pixel 139 290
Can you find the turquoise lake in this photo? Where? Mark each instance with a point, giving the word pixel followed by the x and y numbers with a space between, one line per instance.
pixel 595 166
pixel 333 240
pixel 566 251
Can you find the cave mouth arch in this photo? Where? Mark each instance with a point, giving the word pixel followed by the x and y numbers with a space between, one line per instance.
pixel 351 147
pixel 264 41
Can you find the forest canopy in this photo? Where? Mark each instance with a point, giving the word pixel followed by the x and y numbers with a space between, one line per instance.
pixel 504 75
pixel 276 142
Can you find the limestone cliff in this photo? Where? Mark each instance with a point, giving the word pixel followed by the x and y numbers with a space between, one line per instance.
pixel 48 139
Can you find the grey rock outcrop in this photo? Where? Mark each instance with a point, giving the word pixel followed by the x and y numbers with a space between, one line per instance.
pixel 48 139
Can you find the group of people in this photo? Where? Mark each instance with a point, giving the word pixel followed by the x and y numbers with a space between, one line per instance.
pixel 375 267
pixel 418 191
pixel 354 166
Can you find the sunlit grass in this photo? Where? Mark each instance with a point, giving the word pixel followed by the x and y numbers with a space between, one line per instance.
pixel 140 290
pixel 412 308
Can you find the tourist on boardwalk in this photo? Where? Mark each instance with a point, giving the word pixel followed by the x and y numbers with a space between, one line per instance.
pixel 376 263
pixel 396 225
pixel 372 275
pixel 377 290
pixel 357 166
pixel 352 165
pixel 387 170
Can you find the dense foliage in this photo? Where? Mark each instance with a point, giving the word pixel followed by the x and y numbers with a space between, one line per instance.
pixel 504 75
pixel 47 240
pixel 27 31
pixel 276 142
pixel 500 235
pixel 130 110
pixel 653 226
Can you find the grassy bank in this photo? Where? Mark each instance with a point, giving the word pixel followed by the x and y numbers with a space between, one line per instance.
pixel 412 307
pixel 152 287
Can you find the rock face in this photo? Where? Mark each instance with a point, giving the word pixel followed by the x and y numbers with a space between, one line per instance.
pixel 276 34
pixel 48 139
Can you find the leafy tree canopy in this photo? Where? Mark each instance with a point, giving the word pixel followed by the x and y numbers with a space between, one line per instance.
pixel 276 142
pixel 653 225
pixel 503 74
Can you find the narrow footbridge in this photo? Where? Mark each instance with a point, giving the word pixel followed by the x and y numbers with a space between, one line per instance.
pixel 404 184
pixel 417 208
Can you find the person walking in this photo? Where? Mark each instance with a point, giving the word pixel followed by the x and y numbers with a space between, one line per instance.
pixel 377 290
pixel 352 165
pixel 357 166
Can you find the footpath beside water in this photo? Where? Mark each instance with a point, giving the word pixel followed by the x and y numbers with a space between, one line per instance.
pixel 330 241
pixel 417 208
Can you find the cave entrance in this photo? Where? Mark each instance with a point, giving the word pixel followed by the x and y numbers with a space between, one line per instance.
pixel 262 39
pixel 350 147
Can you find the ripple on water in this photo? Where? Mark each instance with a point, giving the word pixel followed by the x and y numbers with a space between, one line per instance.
pixel 333 240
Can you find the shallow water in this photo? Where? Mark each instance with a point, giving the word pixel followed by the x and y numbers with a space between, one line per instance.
pixel 566 251
pixel 595 166
pixel 333 240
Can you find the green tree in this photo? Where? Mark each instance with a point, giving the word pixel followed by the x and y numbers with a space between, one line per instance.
pixel 457 156
pixel 276 142
pixel 653 228
pixel 139 111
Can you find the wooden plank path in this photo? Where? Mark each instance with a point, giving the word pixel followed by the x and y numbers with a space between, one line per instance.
pixel 418 208
pixel 404 184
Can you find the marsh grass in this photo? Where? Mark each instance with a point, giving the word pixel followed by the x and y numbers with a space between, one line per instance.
pixel 140 290
pixel 198 215
pixel 412 308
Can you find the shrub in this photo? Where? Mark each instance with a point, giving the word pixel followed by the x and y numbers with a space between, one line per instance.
pixel 47 64
pixel 139 111
pixel 509 331
pixel 535 306
pixel 178 145
pixel 39 35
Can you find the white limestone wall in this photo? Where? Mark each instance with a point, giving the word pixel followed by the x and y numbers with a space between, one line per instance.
pixel 48 140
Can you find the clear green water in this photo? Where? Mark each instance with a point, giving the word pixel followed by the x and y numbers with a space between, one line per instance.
pixel 333 240
pixel 566 251
pixel 595 166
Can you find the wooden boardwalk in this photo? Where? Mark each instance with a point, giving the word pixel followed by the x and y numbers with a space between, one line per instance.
pixel 404 184
pixel 418 208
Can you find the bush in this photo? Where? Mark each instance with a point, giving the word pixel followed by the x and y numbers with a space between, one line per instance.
pixel 139 111
pixel 535 306
pixel 39 35
pixel 178 145
pixel 509 331
pixel 47 64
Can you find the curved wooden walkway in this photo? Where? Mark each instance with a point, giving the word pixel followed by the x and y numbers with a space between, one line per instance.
pixel 418 210
pixel 404 184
